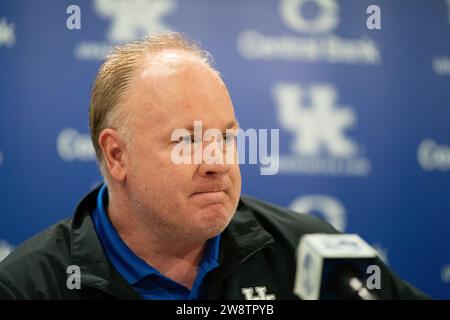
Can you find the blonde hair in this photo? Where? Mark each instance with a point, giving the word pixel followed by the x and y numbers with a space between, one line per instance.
pixel 113 79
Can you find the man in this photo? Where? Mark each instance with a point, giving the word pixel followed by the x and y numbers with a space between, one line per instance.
pixel 159 229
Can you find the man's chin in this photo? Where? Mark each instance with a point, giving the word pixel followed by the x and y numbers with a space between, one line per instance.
pixel 214 222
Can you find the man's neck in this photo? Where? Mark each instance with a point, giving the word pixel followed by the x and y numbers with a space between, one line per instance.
pixel 175 259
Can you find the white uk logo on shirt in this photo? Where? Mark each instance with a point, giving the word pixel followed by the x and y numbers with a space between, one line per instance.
pixel 261 293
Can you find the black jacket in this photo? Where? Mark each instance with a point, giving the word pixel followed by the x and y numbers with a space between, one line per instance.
pixel 257 250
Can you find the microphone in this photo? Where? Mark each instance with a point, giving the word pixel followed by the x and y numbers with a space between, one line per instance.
pixel 334 266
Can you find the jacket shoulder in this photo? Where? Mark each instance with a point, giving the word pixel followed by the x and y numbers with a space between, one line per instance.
pixel 39 260
pixel 283 222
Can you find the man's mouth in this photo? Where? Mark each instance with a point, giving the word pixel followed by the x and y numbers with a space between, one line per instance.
pixel 210 194
pixel 209 191
pixel 210 197
pixel 218 188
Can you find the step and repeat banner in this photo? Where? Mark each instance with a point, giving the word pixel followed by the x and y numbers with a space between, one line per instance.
pixel 359 91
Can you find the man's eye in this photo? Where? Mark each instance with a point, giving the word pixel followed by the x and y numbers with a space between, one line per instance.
pixel 229 137
pixel 187 139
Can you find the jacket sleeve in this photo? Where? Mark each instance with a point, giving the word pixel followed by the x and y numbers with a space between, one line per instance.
pixel 394 288
pixel 6 292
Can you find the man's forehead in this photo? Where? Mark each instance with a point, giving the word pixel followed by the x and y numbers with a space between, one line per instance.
pixel 204 125
pixel 169 62
pixel 206 119
pixel 174 74
pixel 176 88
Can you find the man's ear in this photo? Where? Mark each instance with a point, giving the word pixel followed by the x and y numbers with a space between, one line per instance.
pixel 113 149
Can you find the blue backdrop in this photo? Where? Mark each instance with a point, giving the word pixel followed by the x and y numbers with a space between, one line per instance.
pixel 363 113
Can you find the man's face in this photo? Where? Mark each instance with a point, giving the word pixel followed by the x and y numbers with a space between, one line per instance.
pixel 195 201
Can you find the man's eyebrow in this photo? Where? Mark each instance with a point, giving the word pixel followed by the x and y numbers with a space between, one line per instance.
pixel 232 124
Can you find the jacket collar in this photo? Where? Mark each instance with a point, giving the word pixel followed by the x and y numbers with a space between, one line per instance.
pixel 87 252
pixel 242 238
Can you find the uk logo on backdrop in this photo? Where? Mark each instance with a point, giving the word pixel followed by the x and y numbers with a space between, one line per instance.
pixel 311 38
pixel 128 20
pixel 318 128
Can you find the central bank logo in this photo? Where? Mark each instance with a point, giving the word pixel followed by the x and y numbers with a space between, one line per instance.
pixel 308 266
pixel 309 36
pixel 319 126
pixel 333 211
pixel 445 273
pixel 72 145
pixel 433 156
pixel 326 207
pixel 325 18
pixel 128 20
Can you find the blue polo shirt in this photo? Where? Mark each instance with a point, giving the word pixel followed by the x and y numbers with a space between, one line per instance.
pixel 145 279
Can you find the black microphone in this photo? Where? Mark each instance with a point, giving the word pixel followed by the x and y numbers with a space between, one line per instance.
pixel 336 266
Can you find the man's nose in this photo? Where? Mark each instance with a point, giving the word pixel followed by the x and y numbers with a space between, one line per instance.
pixel 213 170
pixel 217 163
